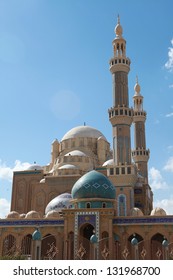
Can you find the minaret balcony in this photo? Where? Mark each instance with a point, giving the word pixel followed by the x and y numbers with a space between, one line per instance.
pixel 120 115
pixel 122 174
pixel 140 154
pixel 139 116
pixel 119 64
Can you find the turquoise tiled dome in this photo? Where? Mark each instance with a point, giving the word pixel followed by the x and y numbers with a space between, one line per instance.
pixel 93 185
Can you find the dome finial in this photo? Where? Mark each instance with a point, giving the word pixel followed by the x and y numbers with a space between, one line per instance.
pixel 118 28
pixel 118 19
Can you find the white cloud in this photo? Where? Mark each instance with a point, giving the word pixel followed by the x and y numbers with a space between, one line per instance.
pixel 169 165
pixel 170 86
pixel 169 115
pixel 6 172
pixel 156 180
pixel 166 204
pixel 4 207
pixel 169 63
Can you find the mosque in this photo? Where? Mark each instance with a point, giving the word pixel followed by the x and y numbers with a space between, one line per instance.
pixel 92 201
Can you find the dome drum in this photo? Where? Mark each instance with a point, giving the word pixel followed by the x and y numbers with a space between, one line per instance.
pixel 93 203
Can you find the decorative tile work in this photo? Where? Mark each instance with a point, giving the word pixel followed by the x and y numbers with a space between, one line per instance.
pixel 30 222
pixel 91 217
pixel 96 185
pixel 86 186
pixel 147 220
pixel 87 218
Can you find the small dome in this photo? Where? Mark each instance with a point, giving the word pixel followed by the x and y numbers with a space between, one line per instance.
pixel 134 241
pixel 68 166
pixel 108 162
pixel 32 215
pixel 137 88
pixel 35 167
pixel 53 214
pixel 36 235
pixel 58 203
pixel 76 153
pixel 158 212
pixel 13 215
pixel 83 131
pixel 93 239
pixel 136 212
pixel 93 185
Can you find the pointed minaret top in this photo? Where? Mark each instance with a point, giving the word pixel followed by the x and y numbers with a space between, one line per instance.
pixel 118 19
pixel 137 87
pixel 118 28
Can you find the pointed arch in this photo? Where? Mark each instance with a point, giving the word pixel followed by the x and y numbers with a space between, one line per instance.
pixel 9 245
pixel 26 245
pixel 48 247
pixel 156 246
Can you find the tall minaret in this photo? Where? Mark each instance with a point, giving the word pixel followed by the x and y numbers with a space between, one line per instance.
pixel 140 154
pixel 123 172
pixel 120 115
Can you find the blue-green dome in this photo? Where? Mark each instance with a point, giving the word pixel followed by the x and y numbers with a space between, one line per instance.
pixel 93 185
pixel 36 235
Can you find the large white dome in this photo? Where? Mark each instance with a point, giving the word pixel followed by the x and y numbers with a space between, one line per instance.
pixel 83 131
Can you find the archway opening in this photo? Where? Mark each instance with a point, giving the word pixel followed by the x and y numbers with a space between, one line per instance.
pixel 86 231
pixel 156 246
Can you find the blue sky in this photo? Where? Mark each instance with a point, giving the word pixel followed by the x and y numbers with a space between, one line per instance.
pixel 54 59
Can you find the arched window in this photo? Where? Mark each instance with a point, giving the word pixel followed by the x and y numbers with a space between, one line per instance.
pixel 9 245
pixel 49 249
pixel 26 245
pixel 104 205
pixel 122 211
pixel 88 205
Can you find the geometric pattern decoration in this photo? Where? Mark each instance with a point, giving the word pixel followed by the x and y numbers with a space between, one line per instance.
pixel 91 217
pixel 105 253
pixel 125 253
pixel 93 185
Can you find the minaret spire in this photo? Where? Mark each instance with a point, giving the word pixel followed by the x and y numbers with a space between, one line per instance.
pixel 118 19
pixel 120 115
pixel 140 153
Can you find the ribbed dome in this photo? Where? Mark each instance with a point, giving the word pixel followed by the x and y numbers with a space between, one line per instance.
pixel 93 185
pixel 83 131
